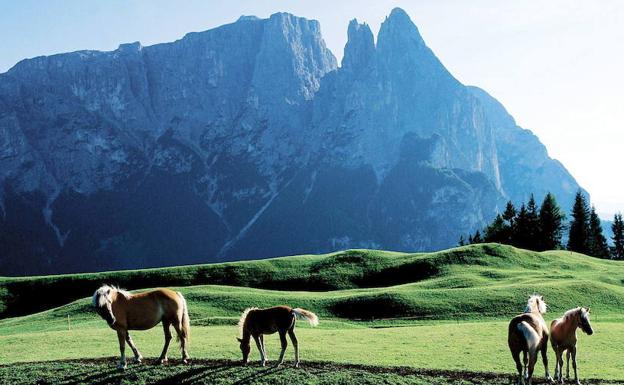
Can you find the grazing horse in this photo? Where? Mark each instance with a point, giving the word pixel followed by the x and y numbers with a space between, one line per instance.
pixel 528 334
pixel 256 322
pixel 563 338
pixel 125 311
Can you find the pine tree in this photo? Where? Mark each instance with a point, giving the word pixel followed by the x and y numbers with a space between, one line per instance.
pixel 477 237
pixel 509 216
pixel 618 236
pixel 597 242
pixel 550 224
pixel 496 231
pixel 510 213
pixel 520 233
pixel 579 227
pixel 462 241
pixel 533 230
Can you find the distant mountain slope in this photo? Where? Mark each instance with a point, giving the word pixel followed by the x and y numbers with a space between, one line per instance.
pixel 247 141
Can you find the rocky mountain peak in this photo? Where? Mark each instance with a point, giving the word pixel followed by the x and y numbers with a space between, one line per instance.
pixel 247 141
pixel 360 47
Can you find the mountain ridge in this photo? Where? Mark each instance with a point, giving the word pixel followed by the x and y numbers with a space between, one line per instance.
pixel 248 140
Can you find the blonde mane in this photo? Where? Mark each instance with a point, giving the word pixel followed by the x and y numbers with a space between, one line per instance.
pixel 102 295
pixel 243 317
pixel 536 303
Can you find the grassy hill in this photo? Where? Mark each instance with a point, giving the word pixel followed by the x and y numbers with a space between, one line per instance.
pixel 445 311
pixel 472 281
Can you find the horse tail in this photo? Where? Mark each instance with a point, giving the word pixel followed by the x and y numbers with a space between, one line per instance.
pixel 530 335
pixel 186 321
pixel 303 313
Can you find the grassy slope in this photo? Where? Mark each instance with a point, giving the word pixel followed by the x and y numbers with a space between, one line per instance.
pixel 469 292
pixel 443 284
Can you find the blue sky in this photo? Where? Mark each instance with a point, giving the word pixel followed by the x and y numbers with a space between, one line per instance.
pixel 556 65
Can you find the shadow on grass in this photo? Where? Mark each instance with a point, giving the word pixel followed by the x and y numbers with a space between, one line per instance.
pixel 227 372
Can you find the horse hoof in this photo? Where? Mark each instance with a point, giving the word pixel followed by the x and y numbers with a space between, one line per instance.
pixel 138 360
pixel 185 361
pixel 296 365
pixel 163 361
pixel 122 366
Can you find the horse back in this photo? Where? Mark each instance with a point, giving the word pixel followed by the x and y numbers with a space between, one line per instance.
pixel 516 338
pixel 270 320
pixel 145 310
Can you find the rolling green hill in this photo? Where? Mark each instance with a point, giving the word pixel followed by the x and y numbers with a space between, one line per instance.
pixel 446 310
pixel 486 280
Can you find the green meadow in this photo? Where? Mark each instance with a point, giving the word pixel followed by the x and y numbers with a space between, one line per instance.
pixel 397 318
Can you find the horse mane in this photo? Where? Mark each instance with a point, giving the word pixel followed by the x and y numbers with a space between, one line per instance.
pixel 571 312
pixel 243 317
pixel 533 301
pixel 99 297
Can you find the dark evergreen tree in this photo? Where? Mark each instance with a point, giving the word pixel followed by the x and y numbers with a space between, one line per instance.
pixel 510 213
pixel 497 231
pixel 509 216
pixel 579 227
pixel 521 231
pixel 477 237
pixel 550 224
pixel 618 237
pixel 462 241
pixel 598 246
pixel 533 230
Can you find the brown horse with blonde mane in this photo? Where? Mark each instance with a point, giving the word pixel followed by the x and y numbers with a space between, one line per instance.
pixel 124 311
pixel 528 334
pixel 563 338
pixel 256 323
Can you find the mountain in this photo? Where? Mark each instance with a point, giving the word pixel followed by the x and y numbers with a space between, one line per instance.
pixel 249 141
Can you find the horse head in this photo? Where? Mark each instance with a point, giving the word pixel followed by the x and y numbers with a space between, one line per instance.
pixel 245 349
pixel 584 322
pixel 536 304
pixel 103 303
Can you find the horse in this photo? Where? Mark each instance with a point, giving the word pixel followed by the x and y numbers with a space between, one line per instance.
pixel 256 323
pixel 528 334
pixel 563 338
pixel 124 311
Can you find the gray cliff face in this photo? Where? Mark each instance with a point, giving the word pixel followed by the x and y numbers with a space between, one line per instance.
pixel 247 141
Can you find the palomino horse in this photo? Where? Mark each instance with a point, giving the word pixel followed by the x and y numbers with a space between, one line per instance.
pixel 563 337
pixel 256 322
pixel 125 311
pixel 528 334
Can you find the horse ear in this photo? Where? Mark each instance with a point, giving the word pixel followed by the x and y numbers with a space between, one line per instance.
pixel 588 309
pixel 239 339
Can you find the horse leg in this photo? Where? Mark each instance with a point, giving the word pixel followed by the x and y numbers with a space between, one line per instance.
pixel 266 356
pixel 163 356
pixel 531 367
pixel 558 365
pixel 137 355
pixel 293 339
pixel 182 338
pixel 544 352
pixel 573 353
pixel 259 345
pixel 121 335
pixel 282 335
pixel 567 364
pixel 525 360
pixel 516 357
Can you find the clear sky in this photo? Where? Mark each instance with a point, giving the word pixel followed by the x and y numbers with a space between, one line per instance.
pixel 557 65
